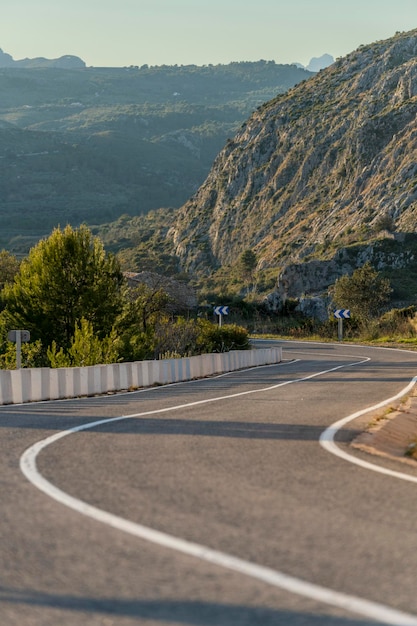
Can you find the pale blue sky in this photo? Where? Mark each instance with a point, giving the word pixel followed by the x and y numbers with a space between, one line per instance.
pixel 156 32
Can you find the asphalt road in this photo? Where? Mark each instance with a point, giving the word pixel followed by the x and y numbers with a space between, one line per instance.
pixel 231 463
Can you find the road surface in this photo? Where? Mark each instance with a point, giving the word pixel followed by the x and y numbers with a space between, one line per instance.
pixel 257 524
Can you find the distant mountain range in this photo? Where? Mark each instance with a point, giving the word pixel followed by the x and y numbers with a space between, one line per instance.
pixel 318 63
pixel 65 62
pixel 73 62
pixel 93 144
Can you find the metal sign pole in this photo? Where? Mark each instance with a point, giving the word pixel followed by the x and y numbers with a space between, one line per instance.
pixel 220 320
pixel 340 328
pixel 18 349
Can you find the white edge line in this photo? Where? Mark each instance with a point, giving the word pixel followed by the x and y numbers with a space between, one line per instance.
pixel 375 611
pixel 328 443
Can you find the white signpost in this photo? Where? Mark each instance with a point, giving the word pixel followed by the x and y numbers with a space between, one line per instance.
pixel 17 336
pixel 340 315
pixel 220 311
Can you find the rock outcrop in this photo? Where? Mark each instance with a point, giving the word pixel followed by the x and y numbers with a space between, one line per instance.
pixel 313 171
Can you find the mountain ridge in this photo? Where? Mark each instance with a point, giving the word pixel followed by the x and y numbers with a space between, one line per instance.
pixel 87 146
pixel 67 61
pixel 314 169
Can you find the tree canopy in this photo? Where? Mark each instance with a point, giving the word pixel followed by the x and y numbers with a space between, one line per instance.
pixel 9 266
pixel 73 298
pixel 365 292
pixel 65 278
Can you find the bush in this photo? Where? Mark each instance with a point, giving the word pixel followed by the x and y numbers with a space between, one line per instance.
pixel 214 338
pixel 85 349
pixel 176 339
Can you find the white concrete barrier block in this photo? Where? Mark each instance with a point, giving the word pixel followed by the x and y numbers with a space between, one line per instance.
pixel 164 371
pixel 94 380
pixel 6 391
pixel 65 377
pixel 136 375
pixel 26 384
pixel 76 382
pixel 53 384
pixel 125 376
pixel 41 382
pixel 83 381
pixel 196 367
pixel 146 373
pixel 16 379
pixel 113 377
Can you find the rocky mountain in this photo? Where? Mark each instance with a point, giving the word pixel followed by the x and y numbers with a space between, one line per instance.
pixel 65 62
pixel 320 63
pixel 331 165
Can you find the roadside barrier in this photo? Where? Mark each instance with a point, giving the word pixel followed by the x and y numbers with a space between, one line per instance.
pixel 44 383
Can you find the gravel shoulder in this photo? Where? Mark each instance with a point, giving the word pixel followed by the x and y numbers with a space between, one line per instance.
pixel 392 433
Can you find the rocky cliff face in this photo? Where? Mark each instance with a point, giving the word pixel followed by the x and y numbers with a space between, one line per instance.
pixel 320 168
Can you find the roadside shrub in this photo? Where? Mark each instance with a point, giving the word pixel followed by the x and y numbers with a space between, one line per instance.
pixel 85 349
pixel 31 355
pixel 176 339
pixel 214 338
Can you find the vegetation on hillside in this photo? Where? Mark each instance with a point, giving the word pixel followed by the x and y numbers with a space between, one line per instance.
pixel 73 299
pixel 89 145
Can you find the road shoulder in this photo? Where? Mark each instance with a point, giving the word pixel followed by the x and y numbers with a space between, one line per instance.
pixel 392 433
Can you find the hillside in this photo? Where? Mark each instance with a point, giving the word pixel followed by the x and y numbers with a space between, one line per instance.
pixel 318 177
pixel 91 144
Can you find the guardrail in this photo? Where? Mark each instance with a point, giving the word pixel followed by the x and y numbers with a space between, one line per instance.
pixel 44 383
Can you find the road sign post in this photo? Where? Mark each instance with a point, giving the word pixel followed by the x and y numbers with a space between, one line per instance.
pixel 220 311
pixel 340 329
pixel 340 315
pixel 17 337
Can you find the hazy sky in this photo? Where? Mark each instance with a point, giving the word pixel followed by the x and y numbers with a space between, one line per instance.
pixel 156 32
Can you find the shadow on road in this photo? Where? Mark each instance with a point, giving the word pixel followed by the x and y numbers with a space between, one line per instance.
pixel 207 428
pixel 168 611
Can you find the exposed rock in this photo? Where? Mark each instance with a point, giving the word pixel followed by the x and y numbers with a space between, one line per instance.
pixel 182 295
pixel 319 63
pixel 313 171
pixel 316 307
pixel 315 277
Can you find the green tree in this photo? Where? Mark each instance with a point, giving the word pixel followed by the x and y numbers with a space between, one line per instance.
pixel 247 266
pixel 86 348
pixel 248 260
pixel 144 308
pixel 365 293
pixel 65 278
pixel 9 267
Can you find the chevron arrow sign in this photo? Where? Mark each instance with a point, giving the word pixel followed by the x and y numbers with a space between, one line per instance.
pixel 342 314
pixel 221 310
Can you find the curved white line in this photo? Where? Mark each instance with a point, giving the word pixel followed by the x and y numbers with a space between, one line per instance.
pixel 328 443
pixel 372 610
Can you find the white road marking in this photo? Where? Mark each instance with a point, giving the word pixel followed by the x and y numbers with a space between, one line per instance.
pixel 353 604
pixel 328 443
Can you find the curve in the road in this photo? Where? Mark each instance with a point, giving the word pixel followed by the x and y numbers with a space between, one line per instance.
pixel 328 443
pixel 372 610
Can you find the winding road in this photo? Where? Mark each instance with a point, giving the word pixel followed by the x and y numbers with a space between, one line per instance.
pixel 218 502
